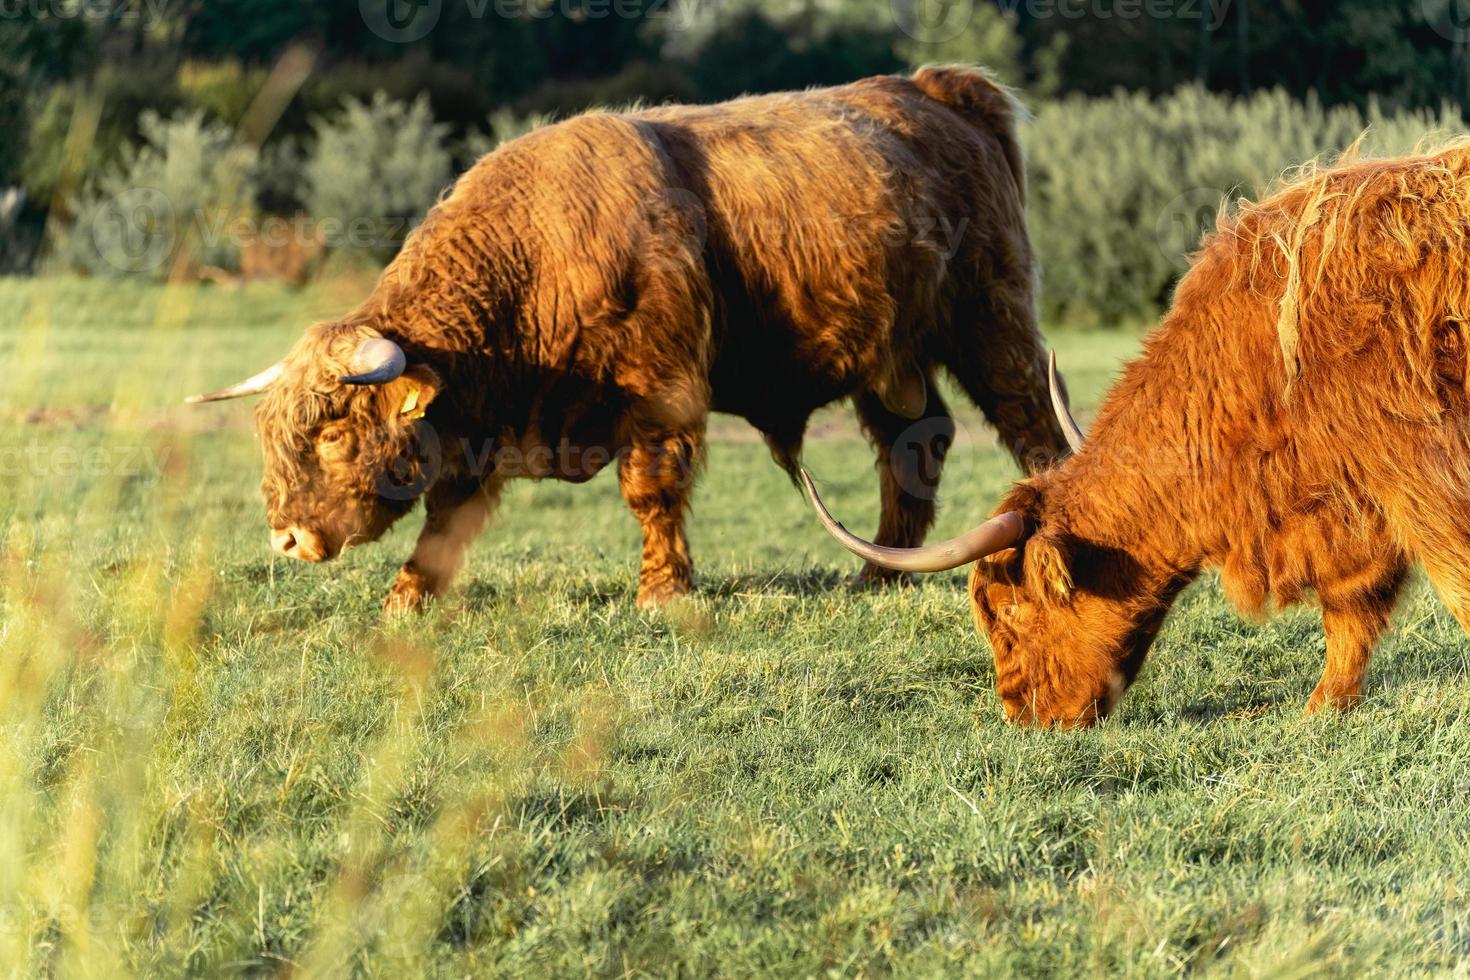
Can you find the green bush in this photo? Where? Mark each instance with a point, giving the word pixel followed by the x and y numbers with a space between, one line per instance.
pixel 124 94
pixel 1122 188
pixel 375 169
pixel 174 193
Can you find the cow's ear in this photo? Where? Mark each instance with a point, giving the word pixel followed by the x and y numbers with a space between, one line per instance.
pixel 1049 567
pixel 407 397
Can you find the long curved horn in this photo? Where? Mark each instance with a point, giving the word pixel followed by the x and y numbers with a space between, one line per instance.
pixel 1070 428
pixel 1000 532
pixel 377 361
pixel 250 386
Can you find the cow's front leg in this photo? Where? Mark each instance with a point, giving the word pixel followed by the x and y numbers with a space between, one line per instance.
pixel 1353 626
pixel 910 455
pixel 657 476
pixel 456 511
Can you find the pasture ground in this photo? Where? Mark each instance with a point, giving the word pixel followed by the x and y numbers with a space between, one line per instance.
pixel 212 761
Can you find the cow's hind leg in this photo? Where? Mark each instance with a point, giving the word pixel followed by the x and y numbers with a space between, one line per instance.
pixel 456 511
pixel 910 456
pixel 1353 621
pixel 657 476
pixel 1426 505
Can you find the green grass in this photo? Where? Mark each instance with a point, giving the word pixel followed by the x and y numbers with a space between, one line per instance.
pixel 214 762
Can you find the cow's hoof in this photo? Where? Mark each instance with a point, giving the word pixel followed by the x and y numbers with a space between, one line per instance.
pixel 660 594
pixel 1324 698
pixel 410 594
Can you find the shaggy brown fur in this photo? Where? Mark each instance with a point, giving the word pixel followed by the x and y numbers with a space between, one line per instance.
pixel 593 290
pixel 1299 418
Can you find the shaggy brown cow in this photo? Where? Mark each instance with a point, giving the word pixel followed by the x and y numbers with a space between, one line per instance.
pixel 593 290
pixel 1299 418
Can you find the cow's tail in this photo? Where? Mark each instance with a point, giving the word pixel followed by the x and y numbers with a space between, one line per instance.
pixel 984 101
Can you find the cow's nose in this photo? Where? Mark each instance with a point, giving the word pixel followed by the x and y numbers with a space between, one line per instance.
pixel 296 542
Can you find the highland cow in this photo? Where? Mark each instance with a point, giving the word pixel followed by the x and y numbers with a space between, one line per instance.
pixel 591 291
pixel 1299 418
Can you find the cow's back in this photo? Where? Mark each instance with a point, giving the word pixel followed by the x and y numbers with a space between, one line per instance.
pixel 842 225
pixel 790 247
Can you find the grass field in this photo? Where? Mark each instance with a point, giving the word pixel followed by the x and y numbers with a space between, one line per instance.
pixel 214 761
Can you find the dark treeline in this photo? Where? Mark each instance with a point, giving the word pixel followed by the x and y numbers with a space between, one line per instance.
pixel 487 69
pixel 476 56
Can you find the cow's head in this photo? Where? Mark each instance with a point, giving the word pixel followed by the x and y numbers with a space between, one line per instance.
pixel 1069 621
pixel 345 452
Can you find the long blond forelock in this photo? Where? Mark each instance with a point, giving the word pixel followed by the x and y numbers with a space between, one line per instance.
pixel 309 395
pixel 1358 220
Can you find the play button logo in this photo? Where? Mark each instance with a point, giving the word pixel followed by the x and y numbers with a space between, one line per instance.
pixel 400 21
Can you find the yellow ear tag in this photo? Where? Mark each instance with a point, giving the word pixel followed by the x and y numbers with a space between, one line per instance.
pixel 410 405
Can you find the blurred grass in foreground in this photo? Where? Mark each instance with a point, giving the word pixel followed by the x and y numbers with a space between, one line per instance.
pixel 214 762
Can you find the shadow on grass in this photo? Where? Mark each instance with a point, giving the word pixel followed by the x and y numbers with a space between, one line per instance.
pixel 812 582
pixel 604 592
pixel 802 582
pixel 1208 712
pixel 496 894
pixel 477 593
pixel 1237 702
pixel 481 594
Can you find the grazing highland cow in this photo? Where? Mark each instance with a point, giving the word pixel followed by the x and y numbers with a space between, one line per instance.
pixel 1300 418
pixel 593 290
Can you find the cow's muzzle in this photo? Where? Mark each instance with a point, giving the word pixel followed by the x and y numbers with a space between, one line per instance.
pixel 298 542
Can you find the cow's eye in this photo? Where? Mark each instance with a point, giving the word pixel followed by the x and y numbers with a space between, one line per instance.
pixel 334 440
